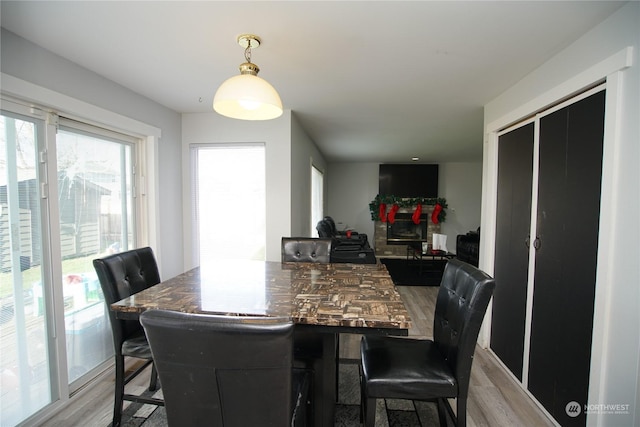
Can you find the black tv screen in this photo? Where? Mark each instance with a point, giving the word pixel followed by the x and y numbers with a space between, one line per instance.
pixel 408 180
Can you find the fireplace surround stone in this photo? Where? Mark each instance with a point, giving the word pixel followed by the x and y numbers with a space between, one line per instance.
pixel 386 249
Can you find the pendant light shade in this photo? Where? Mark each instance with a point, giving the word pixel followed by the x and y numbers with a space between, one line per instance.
pixel 247 96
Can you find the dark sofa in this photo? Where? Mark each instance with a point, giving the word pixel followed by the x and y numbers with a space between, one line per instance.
pixel 468 247
pixel 352 248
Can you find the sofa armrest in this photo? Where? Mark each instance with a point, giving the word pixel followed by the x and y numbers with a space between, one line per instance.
pixel 468 247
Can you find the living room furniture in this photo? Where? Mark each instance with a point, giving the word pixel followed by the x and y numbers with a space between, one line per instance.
pixel 326 227
pixel 542 322
pixel 353 254
pixel 429 260
pixel 349 246
pixel 320 298
pixel 227 370
pixel 468 247
pixel 431 370
pixel 122 275
pixel 306 249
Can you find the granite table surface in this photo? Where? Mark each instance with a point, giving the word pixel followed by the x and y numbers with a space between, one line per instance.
pixel 343 295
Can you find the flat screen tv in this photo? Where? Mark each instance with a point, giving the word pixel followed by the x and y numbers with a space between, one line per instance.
pixel 408 180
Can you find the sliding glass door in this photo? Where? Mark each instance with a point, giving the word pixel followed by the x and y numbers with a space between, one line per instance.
pixel 67 196
pixel 25 351
pixel 95 203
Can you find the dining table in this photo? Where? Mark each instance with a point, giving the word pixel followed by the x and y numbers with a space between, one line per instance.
pixel 322 299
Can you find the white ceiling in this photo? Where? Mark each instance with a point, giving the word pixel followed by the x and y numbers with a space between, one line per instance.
pixel 369 81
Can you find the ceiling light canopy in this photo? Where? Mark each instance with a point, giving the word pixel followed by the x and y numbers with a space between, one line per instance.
pixel 247 96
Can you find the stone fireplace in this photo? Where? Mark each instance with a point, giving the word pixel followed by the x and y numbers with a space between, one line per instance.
pixel 391 240
pixel 404 230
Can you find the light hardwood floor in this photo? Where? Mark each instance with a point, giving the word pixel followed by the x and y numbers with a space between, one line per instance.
pixel 494 397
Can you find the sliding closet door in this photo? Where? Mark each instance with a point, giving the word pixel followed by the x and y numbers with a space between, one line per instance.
pixel 567 245
pixel 515 171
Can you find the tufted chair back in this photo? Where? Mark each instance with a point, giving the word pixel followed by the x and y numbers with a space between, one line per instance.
pixel 461 304
pixel 226 370
pixel 122 275
pixel 306 249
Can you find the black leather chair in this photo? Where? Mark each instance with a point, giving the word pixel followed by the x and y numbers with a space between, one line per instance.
pixel 226 370
pixel 330 226
pixel 431 370
pixel 309 346
pixel 122 275
pixel 326 228
pixel 354 249
pixel 306 249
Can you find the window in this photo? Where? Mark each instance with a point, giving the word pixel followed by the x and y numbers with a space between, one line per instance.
pixel 317 198
pixel 229 201
pixel 67 196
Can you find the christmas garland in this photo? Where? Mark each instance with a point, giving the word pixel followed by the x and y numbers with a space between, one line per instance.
pixel 378 207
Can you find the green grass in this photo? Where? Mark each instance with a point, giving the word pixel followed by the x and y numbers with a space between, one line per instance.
pixel 34 275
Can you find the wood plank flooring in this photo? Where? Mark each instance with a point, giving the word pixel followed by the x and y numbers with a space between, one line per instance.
pixel 494 397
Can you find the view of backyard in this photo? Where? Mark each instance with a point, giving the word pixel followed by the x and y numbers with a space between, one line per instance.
pixel 87 330
pixel 55 330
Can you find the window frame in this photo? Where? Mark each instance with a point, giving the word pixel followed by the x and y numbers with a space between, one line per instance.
pixel 316 171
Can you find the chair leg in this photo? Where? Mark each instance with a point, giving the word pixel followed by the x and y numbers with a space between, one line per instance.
pixel 310 407
pixel 153 383
pixel 370 412
pixel 119 391
pixel 361 393
pixel 367 405
pixel 337 338
pixel 442 411
pixel 461 416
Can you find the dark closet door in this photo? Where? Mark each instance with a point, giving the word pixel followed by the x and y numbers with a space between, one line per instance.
pixel 515 171
pixel 564 283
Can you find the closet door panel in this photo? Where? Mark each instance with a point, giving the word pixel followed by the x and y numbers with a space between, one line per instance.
pixel 547 316
pixel 515 172
pixel 564 281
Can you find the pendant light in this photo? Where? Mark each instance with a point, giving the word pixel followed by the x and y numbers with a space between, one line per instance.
pixel 247 96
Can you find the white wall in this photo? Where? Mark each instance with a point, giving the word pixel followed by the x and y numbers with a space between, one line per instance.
pixel 57 79
pixel 600 53
pixel 201 128
pixel 461 185
pixel 304 152
pixel 353 185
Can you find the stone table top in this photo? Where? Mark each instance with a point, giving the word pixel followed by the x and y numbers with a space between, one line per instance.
pixel 349 296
